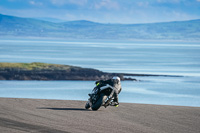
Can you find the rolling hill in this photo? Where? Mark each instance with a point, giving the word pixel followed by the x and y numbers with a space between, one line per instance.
pixel 11 26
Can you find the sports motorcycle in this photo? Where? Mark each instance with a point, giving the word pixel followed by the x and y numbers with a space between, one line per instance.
pixel 100 96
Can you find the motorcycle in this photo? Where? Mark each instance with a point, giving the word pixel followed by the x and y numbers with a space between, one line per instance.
pixel 100 96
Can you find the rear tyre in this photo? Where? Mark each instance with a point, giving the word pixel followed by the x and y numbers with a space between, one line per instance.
pixel 99 102
pixel 87 105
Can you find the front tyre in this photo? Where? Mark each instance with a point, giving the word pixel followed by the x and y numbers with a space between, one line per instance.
pixel 99 102
pixel 87 105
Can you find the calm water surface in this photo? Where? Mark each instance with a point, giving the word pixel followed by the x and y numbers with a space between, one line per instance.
pixel 130 57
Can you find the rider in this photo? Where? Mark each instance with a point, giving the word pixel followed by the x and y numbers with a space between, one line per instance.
pixel 116 84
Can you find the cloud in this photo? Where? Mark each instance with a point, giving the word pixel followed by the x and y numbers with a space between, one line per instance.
pixel 143 4
pixel 66 2
pixel 198 0
pixel 32 2
pixel 167 1
pixel 58 2
pixel 79 2
pixel 108 4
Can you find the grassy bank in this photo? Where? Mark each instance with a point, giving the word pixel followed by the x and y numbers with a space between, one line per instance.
pixel 35 66
pixel 45 71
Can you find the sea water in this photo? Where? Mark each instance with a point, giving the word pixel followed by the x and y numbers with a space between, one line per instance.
pixel 182 59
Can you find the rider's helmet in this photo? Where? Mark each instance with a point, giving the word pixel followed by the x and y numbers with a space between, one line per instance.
pixel 116 78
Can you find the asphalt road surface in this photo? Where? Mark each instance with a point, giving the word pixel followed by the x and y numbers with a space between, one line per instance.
pixel 62 116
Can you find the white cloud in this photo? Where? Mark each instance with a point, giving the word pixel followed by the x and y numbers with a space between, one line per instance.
pixel 65 2
pixel 167 1
pixel 198 0
pixel 78 2
pixel 143 4
pixel 69 16
pixel 58 2
pixel 108 4
pixel 32 2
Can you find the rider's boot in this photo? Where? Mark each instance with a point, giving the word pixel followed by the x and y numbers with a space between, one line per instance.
pixel 115 102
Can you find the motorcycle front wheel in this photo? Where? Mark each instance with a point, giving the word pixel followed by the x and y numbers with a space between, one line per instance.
pixel 99 102
pixel 87 105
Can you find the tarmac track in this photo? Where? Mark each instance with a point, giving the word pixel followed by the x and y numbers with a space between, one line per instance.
pixel 62 116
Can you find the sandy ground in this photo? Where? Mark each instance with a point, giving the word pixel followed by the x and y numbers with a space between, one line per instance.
pixel 61 116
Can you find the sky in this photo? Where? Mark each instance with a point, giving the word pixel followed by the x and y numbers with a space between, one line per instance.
pixel 104 11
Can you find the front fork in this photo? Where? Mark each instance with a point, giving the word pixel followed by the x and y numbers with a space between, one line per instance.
pixel 91 99
pixel 89 102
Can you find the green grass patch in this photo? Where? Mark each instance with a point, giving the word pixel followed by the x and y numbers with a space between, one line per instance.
pixel 34 66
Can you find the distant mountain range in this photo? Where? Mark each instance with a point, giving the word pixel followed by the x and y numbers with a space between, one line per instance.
pixel 11 26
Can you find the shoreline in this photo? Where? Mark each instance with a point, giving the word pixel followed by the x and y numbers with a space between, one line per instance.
pixel 45 71
pixel 63 116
